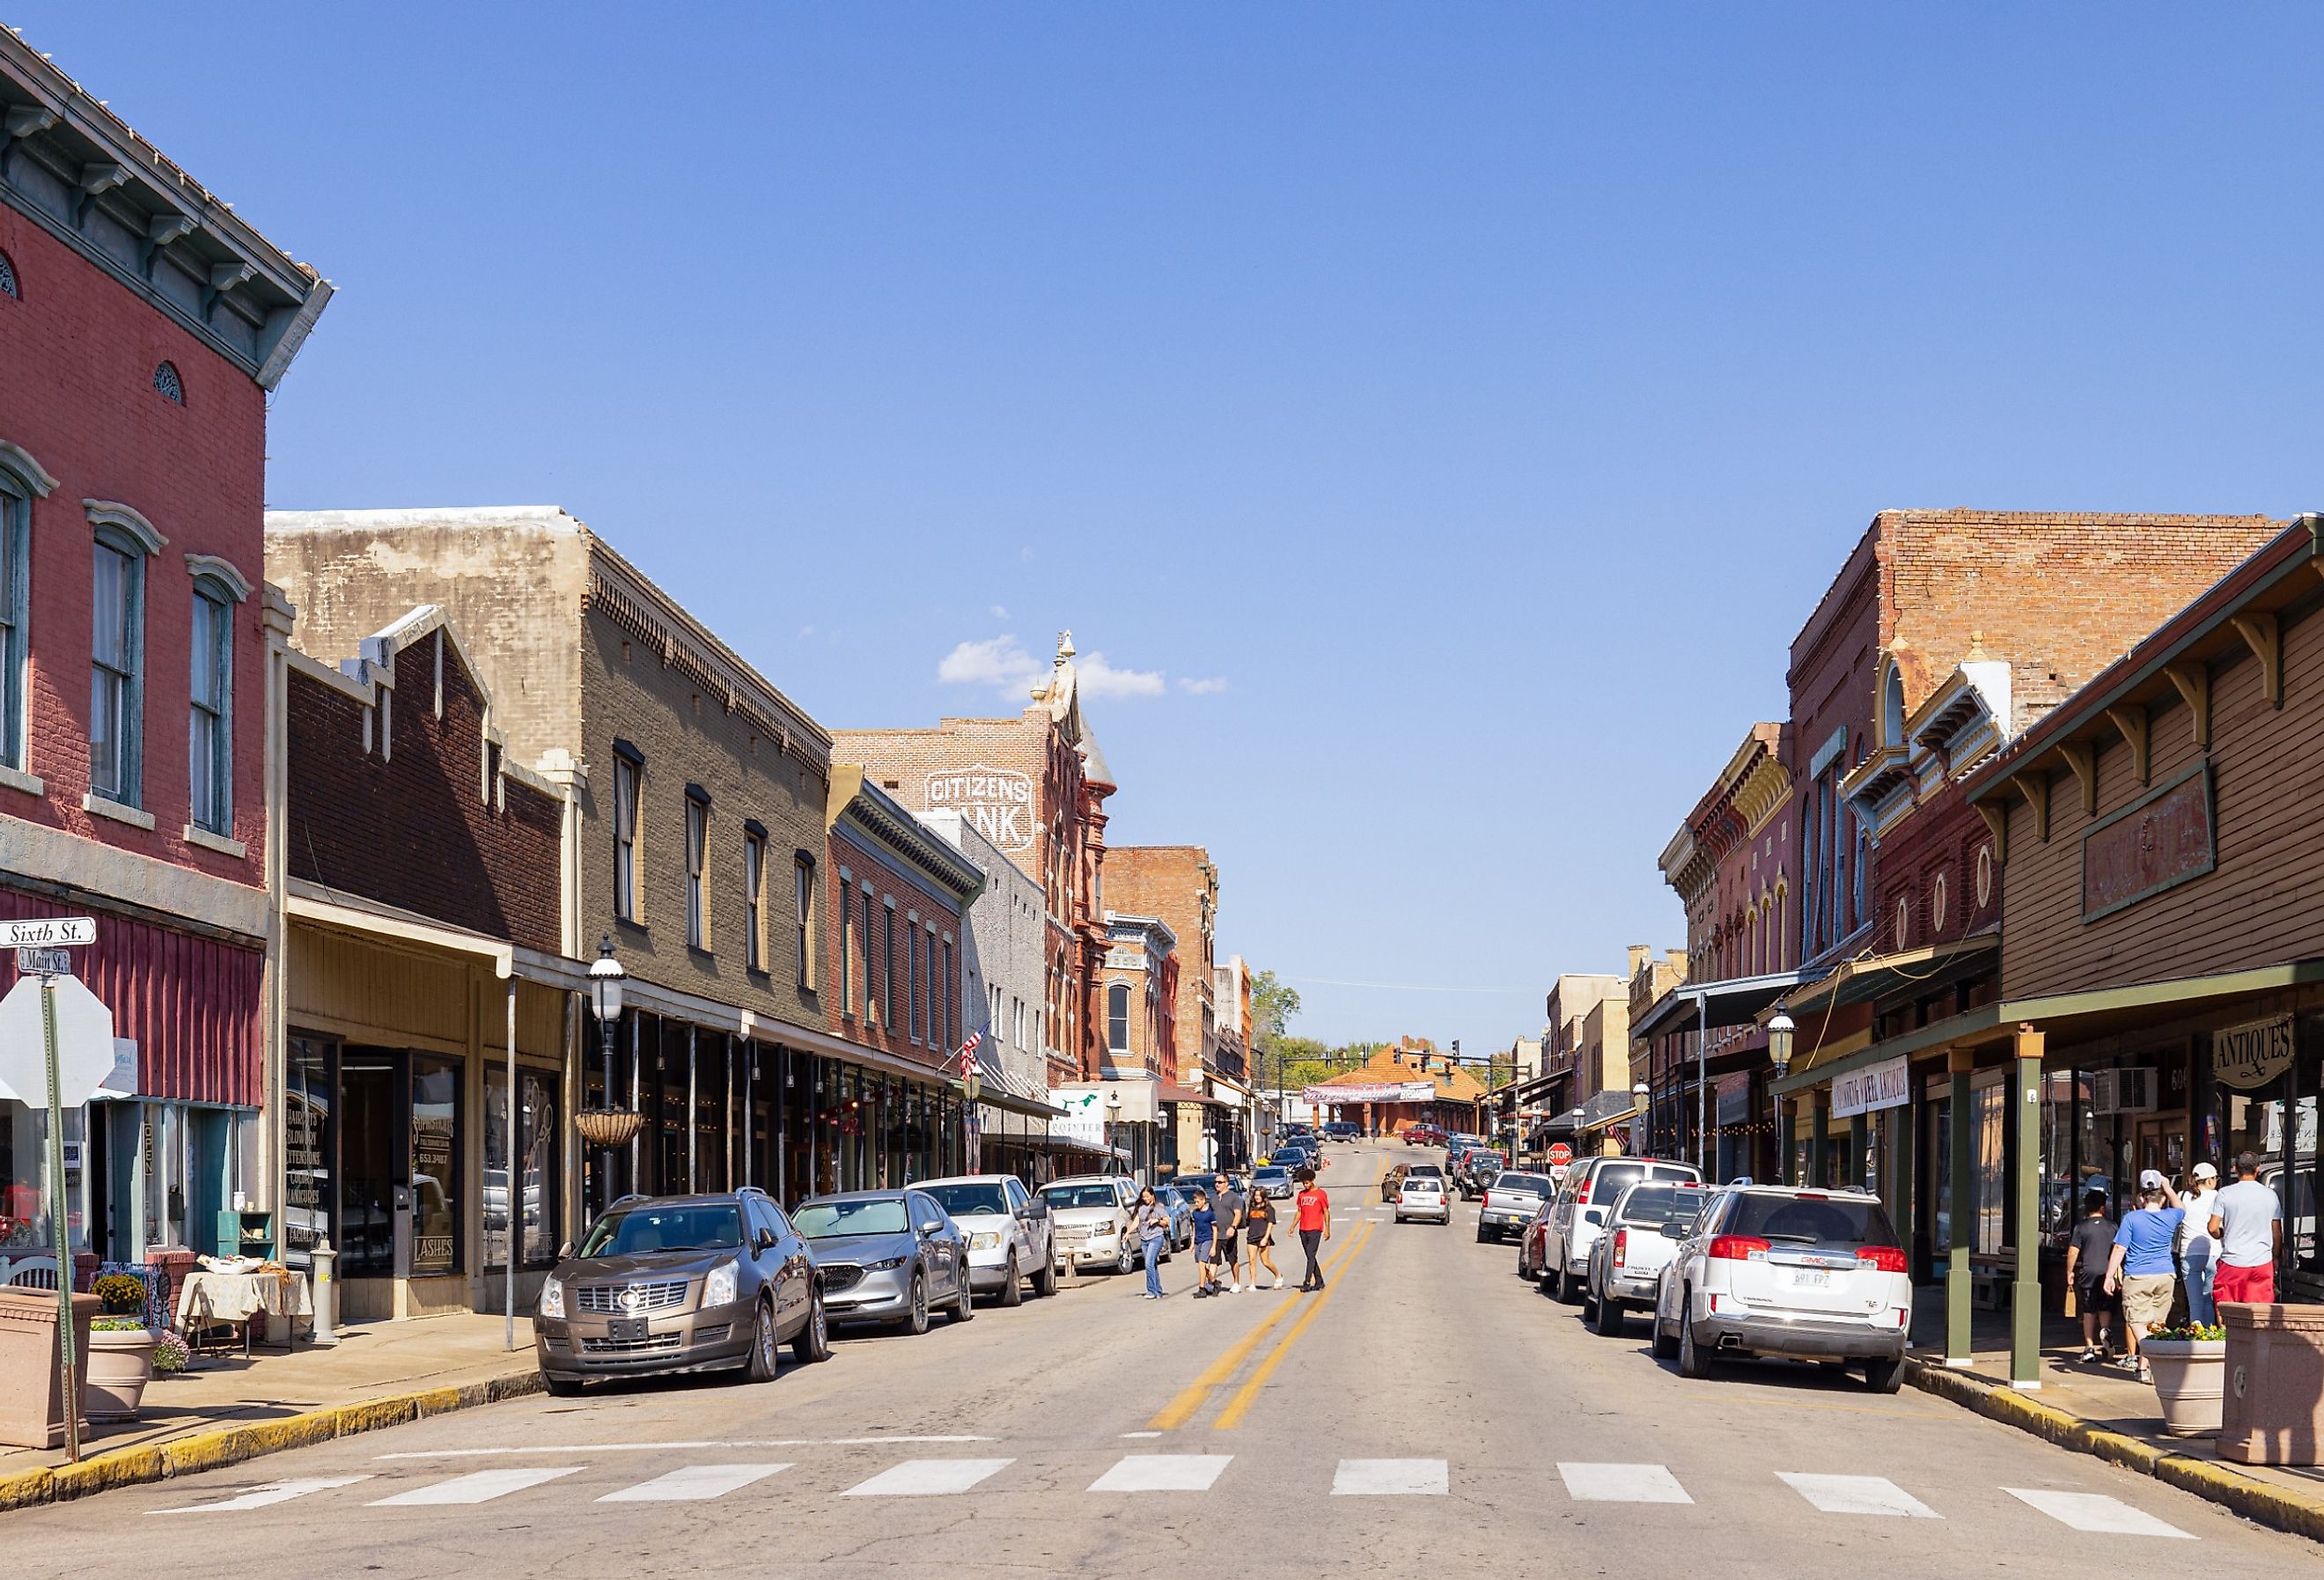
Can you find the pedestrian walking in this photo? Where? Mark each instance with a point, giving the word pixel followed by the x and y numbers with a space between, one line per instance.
pixel 1228 1203
pixel 2199 1248
pixel 1206 1246
pixel 1313 1205
pixel 2248 1225
pixel 2088 1251
pixel 1260 1221
pixel 2141 1269
pixel 1152 1222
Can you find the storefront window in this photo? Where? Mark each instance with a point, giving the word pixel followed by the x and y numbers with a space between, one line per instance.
pixel 435 1166
pixel 536 1141
pixel 2060 1197
pixel 309 1197
pixel 1988 1107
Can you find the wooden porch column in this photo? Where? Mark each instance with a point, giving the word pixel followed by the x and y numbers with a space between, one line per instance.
pixel 1964 1213
pixel 2025 1294
pixel 1785 1113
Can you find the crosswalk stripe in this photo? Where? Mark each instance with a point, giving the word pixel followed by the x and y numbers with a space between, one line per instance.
pixel 481 1487
pixel 927 1478
pixel 693 1484
pixel 1162 1473
pixel 2094 1512
pixel 267 1496
pixel 1622 1483
pixel 1856 1495
pixel 1388 1478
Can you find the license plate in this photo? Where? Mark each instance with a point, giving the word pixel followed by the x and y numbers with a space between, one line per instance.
pixel 626 1330
pixel 1810 1279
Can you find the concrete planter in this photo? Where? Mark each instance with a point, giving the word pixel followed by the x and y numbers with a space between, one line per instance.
pixel 120 1366
pixel 2190 1378
pixel 31 1394
pixel 2275 1385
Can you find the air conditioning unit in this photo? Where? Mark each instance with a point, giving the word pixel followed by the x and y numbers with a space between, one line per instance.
pixel 2124 1090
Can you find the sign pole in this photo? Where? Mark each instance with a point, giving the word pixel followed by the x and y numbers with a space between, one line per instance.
pixel 66 1359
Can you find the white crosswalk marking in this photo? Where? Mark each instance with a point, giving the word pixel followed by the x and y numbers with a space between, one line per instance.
pixel 927 1478
pixel 1388 1478
pixel 693 1484
pixel 476 1487
pixel 1162 1473
pixel 1622 1483
pixel 1856 1495
pixel 2094 1512
pixel 267 1496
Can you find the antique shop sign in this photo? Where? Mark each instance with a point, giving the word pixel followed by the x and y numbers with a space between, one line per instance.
pixel 2250 1056
pixel 2150 846
pixel 1881 1085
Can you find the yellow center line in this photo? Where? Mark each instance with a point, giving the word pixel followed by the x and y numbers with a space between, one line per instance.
pixel 1192 1398
pixel 1240 1404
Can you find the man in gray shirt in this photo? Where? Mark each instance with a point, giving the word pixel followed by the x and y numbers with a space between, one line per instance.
pixel 1228 1203
pixel 2248 1223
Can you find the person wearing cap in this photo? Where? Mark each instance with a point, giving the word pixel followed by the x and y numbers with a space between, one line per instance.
pixel 2199 1252
pixel 2248 1223
pixel 2142 1269
pixel 2089 1252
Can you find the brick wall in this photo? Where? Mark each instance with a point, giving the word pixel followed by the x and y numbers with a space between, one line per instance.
pixel 1178 884
pixel 77 353
pixel 896 985
pixel 415 825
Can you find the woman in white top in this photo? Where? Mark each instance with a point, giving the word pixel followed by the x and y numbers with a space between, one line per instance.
pixel 2199 1254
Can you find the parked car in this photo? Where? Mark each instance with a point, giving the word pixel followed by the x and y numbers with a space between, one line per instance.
pixel 1390 1180
pixel 1422 1196
pixel 1579 1215
pixel 1009 1237
pixel 1769 1270
pixel 1292 1157
pixel 685 1283
pixel 1090 1213
pixel 1343 1130
pixel 1178 1198
pixel 887 1256
pixel 1479 1166
pixel 1643 1234
pixel 1273 1178
pixel 1511 1202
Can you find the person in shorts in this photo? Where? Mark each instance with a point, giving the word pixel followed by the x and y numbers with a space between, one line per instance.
pixel 2247 1221
pixel 2143 1269
pixel 1230 1218
pixel 2088 1249
pixel 1206 1247
pixel 1259 1219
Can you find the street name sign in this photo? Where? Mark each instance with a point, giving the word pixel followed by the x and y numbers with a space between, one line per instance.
pixel 45 961
pixel 47 932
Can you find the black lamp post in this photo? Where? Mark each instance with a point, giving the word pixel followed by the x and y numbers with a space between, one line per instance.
pixel 1779 1058
pixel 609 1125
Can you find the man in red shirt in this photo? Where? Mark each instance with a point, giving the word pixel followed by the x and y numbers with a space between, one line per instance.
pixel 1314 1205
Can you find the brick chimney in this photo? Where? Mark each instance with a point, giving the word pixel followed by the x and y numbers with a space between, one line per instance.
pixel 1639 955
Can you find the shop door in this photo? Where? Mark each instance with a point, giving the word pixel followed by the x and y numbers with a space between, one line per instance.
pixel 370 1147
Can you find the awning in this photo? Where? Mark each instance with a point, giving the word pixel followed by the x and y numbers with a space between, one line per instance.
pixel 1857 981
pixel 1188 1094
pixel 988 1095
pixel 1710 1005
pixel 1520 1093
pixel 1603 1109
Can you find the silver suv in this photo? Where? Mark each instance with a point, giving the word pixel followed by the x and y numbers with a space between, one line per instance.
pixel 680 1283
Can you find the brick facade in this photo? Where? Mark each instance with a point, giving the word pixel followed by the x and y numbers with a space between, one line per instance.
pixel 1178 884
pixel 895 983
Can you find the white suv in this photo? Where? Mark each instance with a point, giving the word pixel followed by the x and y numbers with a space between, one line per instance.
pixel 1091 1215
pixel 1770 1270
pixel 1577 1217
pixel 1642 1234
pixel 1010 1237
pixel 1422 1196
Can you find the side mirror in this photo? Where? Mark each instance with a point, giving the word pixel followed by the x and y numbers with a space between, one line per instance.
pixel 766 1240
pixel 565 1251
pixel 933 1227
pixel 1593 1217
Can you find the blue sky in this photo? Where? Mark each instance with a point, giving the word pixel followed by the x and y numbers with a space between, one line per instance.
pixel 1469 401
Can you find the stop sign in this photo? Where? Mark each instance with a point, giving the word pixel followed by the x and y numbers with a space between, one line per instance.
pixel 1560 1154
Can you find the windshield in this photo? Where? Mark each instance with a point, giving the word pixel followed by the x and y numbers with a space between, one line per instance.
pixel 827 1220
pixel 1811 1220
pixel 1537 1184
pixel 1271 1173
pixel 1656 1204
pixel 979 1197
pixel 1612 1179
pixel 636 1230
pixel 1079 1196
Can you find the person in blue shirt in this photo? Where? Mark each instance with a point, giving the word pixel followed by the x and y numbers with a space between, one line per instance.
pixel 1206 1246
pixel 2143 1269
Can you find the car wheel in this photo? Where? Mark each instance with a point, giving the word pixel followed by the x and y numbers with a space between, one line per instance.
pixel 1561 1284
pixel 1665 1344
pixel 964 1305
pixel 1589 1300
pixel 813 1341
pixel 762 1365
pixel 1691 1362
pixel 1525 1262
pixel 916 1319
pixel 1126 1262
pixel 1609 1317
pixel 1885 1376
pixel 559 1387
pixel 1045 1281
pixel 1012 1293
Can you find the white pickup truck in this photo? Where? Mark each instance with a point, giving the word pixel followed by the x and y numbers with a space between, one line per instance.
pixel 1642 1235
pixel 1511 1202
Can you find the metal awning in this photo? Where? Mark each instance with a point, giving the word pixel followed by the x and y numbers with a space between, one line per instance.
pixel 1603 1109
pixel 1857 981
pixel 1710 1005
pixel 1519 1093
pixel 1189 1096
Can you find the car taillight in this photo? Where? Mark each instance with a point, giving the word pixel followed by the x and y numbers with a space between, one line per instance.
pixel 1738 1248
pixel 1621 1247
pixel 1887 1259
pixel 1582 1196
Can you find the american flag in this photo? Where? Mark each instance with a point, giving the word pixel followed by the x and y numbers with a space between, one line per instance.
pixel 968 1051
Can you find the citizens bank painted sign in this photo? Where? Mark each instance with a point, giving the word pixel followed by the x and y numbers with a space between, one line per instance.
pixel 2249 1057
pixel 998 802
pixel 1885 1084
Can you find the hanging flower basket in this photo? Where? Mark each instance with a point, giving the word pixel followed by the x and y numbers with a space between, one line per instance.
pixel 609 1127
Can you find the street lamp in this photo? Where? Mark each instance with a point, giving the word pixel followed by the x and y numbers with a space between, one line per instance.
pixel 1779 1057
pixel 608 1125
pixel 1112 1116
pixel 1641 1095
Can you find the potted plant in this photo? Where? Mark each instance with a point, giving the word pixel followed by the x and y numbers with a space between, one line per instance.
pixel 2190 1363
pixel 120 1350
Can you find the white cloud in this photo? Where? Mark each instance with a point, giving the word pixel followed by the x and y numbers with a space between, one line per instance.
pixel 999 662
pixel 1100 679
pixel 999 613
pixel 1210 687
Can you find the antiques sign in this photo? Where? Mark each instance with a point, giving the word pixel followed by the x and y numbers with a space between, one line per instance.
pixel 2153 845
pixel 2249 1057
pixel 1881 1085
pixel 997 802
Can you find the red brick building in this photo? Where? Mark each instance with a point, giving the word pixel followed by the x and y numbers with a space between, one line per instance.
pixel 143 325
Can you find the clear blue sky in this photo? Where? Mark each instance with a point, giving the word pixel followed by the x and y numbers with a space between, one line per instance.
pixel 1483 394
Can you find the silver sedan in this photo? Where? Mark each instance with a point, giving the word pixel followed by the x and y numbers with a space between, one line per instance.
pixel 887 1256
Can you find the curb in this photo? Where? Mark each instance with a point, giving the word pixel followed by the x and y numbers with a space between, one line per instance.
pixel 129 1468
pixel 2300 1513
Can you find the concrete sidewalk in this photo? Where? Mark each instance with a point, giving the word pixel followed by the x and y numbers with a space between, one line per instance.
pixel 223 1408
pixel 2098 1410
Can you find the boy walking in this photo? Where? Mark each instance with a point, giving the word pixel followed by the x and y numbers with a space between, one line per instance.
pixel 1206 1247
pixel 2087 1252
pixel 1315 1210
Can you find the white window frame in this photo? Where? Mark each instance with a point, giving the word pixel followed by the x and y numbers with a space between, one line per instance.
pixel 803 890
pixel 697 873
pixel 628 785
pixel 23 480
pixel 115 534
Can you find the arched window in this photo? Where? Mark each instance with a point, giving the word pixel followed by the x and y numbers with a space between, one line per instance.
pixel 1116 1017
pixel 8 278
pixel 170 387
pixel 1892 708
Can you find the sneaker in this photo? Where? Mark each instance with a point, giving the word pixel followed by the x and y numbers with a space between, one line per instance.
pixel 2089 1355
pixel 1278 1281
pixel 2126 1364
pixel 1234 1289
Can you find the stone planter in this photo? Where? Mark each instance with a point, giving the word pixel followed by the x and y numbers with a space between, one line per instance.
pixel 2275 1385
pixel 31 1394
pixel 2190 1378
pixel 120 1366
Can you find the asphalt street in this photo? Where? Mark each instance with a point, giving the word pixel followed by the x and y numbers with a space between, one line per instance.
pixel 1428 1415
